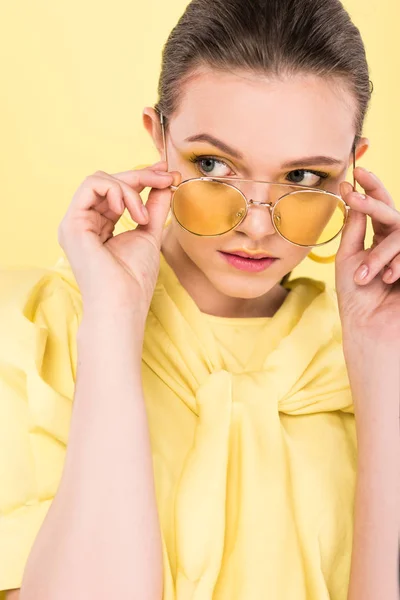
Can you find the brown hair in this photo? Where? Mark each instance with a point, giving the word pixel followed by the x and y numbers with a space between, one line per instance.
pixel 270 37
pixel 277 38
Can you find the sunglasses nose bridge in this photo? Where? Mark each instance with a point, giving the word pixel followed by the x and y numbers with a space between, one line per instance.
pixel 259 203
pixel 259 192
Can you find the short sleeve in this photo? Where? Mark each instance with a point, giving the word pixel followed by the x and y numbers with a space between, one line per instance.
pixel 40 313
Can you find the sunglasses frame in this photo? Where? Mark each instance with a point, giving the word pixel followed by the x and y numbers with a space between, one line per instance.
pixel 250 202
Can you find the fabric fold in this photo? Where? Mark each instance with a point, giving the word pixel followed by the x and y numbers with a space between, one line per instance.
pixel 236 520
pixel 254 469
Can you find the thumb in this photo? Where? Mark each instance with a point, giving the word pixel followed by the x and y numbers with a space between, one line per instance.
pixel 353 234
pixel 158 205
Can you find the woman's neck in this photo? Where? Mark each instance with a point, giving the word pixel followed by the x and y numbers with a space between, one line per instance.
pixel 207 297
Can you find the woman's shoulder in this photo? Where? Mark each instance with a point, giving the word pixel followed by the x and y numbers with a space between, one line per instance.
pixel 34 300
pixel 19 285
pixel 314 288
pixel 39 317
pixel 318 302
pixel 40 312
pixel 318 285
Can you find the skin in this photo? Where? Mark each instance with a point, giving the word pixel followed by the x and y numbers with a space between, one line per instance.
pixel 275 121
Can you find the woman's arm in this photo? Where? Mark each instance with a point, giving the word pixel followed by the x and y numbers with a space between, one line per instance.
pixel 101 537
pixel 374 373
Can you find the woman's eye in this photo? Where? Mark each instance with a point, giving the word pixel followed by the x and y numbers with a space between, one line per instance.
pixel 314 177
pixel 212 167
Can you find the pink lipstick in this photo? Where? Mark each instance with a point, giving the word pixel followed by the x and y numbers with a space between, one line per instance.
pixel 251 265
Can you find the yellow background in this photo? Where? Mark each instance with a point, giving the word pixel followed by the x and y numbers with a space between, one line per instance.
pixel 76 77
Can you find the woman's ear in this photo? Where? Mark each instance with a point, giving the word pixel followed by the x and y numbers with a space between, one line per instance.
pixel 362 146
pixel 151 122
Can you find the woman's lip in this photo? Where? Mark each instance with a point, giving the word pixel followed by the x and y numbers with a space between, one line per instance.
pixel 249 255
pixel 252 265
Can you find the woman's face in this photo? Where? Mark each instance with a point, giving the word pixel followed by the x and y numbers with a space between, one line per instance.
pixel 258 126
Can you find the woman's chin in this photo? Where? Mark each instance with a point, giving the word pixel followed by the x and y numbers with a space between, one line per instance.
pixel 242 285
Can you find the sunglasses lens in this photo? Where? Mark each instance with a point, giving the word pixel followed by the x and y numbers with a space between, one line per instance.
pixel 309 218
pixel 305 217
pixel 208 207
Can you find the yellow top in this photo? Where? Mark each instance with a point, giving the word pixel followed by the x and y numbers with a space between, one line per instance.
pixel 252 430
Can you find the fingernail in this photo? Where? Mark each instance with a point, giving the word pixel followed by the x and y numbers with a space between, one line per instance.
pixel 145 212
pixel 346 187
pixel 361 272
pixel 388 273
pixel 165 173
pixel 361 196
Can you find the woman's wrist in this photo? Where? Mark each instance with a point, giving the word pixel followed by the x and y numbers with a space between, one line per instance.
pixel 371 360
pixel 374 376
pixel 123 325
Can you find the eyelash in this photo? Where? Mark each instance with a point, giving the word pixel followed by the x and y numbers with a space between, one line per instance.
pixel 196 159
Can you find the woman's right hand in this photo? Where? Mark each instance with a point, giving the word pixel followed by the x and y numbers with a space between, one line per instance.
pixel 117 271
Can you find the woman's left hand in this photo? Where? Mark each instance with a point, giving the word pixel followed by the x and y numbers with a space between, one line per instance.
pixel 370 306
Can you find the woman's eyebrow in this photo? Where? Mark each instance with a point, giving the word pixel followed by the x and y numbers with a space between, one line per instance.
pixel 304 161
pixel 205 137
pixel 309 161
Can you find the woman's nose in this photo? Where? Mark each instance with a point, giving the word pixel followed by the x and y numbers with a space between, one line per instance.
pixel 258 221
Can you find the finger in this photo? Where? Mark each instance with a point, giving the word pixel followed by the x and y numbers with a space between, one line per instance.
pixel 353 234
pixel 105 209
pixel 104 206
pixel 138 180
pixel 379 257
pixel 142 178
pixel 117 194
pixel 133 176
pixel 94 223
pixel 392 274
pixel 107 232
pixel 158 205
pixel 104 185
pixel 129 199
pixel 373 186
pixel 375 208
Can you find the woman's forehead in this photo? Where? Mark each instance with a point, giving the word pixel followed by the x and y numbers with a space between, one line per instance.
pixel 243 109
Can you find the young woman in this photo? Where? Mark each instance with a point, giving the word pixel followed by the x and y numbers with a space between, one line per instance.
pixel 231 428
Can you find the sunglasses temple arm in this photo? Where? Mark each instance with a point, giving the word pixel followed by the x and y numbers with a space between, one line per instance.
pixel 164 140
